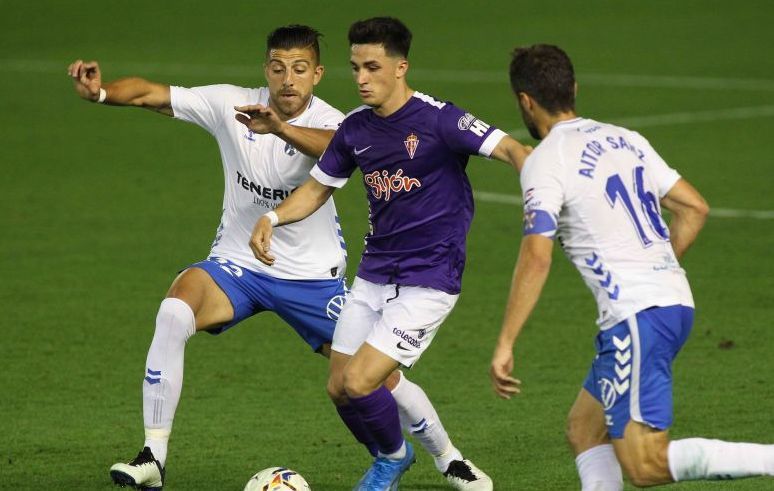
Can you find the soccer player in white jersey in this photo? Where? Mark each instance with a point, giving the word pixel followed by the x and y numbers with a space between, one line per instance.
pixel 267 150
pixel 598 189
pixel 413 151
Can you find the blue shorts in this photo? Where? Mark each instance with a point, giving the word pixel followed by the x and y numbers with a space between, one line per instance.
pixel 631 375
pixel 311 307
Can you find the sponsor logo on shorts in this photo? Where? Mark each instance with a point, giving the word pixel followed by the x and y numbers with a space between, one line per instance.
pixel 405 337
pixel 335 304
pixel 608 393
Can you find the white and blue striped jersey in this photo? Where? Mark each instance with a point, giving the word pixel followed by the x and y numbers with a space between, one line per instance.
pixel 596 188
pixel 260 171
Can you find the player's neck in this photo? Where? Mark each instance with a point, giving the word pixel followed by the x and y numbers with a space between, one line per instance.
pixel 548 121
pixel 397 100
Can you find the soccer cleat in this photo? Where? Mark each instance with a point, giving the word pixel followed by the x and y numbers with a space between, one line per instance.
pixel 385 474
pixel 144 472
pixel 465 476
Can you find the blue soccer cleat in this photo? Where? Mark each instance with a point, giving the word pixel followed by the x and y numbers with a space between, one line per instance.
pixel 385 474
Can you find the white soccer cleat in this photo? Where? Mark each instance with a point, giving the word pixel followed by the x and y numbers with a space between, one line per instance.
pixel 465 476
pixel 144 472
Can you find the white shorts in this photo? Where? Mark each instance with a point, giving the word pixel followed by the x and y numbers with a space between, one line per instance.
pixel 399 321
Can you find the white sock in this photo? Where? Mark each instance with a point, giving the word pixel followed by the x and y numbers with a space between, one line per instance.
pixel 419 419
pixel 175 323
pixel 699 458
pixel 599 470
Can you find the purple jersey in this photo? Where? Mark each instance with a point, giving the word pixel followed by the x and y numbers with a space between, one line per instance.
pixel 420 201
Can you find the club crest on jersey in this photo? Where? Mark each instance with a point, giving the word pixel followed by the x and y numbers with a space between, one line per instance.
pixel 250 135
pixel 411 142
pixel 290 149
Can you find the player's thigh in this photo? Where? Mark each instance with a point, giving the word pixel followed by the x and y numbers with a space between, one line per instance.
pixel 209 303
pixel 409 323
pixel 586 426
pixel 367 370
pixel 643 454
pixel 358 317
pixel 310 307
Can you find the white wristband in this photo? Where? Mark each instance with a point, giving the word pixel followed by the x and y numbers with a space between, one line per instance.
pixel 102 95
pixel 273 218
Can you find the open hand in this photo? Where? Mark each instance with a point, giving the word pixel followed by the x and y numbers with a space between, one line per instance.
pixel 259 118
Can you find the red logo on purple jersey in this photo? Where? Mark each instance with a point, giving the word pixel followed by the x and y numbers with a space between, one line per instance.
pixel 383 184
pixel 411 142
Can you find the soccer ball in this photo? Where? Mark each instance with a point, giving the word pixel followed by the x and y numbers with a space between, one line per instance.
pixel 277 479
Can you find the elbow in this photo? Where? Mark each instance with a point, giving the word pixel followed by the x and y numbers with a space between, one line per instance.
pixel 539 263
pixel 702 208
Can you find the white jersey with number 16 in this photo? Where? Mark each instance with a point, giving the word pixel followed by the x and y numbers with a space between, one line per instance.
pixel 596 188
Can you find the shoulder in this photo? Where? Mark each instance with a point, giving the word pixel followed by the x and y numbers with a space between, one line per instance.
pixel 430 101
pixel 319 106
pixel 320 114
pixel 546 158
pixel 357 113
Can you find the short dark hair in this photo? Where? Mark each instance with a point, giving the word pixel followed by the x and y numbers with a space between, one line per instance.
pixel 387 31
pixel 545 73
pixel 294 36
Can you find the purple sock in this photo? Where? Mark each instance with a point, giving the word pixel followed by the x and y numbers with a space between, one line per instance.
pixel 379 414
pixel 352 419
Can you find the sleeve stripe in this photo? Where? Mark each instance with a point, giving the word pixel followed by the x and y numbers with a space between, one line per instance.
pixel 323 178
pixel 491 142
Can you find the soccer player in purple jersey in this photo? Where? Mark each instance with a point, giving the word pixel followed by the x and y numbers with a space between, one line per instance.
pixel 599 188
pixel 289 128
pixel 412 150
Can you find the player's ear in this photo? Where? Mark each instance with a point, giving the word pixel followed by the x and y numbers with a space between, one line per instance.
pixel 525 101
pixel 575 89
pixel 318 73
pixel 401 68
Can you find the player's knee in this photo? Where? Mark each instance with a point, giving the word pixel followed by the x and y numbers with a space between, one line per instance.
pixel 581 435
pixel 356 385
pixel 336 391
pixel 176 319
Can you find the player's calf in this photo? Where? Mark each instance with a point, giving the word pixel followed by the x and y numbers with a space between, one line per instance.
pixel 642 453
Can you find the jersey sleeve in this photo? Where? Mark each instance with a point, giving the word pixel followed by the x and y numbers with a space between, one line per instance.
pixel 202 106
pixel 542 182
pixel 465 133
pixel 336 164
pixel 664 176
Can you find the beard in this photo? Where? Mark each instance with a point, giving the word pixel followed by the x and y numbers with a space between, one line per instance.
pixel 531 126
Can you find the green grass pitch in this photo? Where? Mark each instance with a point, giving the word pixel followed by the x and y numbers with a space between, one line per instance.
pixel 99 207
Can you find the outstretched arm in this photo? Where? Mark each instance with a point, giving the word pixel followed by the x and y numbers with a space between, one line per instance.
pixel 689 212
pixel 529 276
pixel 262 120
pixel 304 201
pixel 511 152
pixel 134 91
